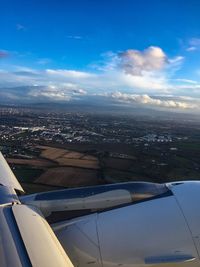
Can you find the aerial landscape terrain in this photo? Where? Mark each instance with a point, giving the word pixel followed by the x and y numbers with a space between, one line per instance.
pixel 95 92
pixel 48 150
pixel 99 133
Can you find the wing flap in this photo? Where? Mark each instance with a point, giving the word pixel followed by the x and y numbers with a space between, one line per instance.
pixel 12 251
pixel 42 246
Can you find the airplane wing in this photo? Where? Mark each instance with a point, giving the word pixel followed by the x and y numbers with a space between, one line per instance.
pixel 7 178
pixel 26 238
pixel 128 224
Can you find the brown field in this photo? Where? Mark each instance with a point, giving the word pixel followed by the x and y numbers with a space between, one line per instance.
pixel 69 177
pixel 62 168
pixel 88 157
pixel 69 158
pixel 80 163
pixel 31 162
pixel 51 152
pixel 67 168
pixel 73 155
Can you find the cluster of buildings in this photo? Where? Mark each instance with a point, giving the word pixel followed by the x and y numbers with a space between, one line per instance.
pixel 29 127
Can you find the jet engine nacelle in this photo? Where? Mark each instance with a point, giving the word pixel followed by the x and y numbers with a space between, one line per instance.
pixel 163 230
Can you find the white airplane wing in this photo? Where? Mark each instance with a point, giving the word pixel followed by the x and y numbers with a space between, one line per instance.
pixel 128 224
pixel 26 239
pixel 7 178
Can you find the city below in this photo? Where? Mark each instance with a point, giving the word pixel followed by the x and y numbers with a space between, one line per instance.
pixel 50 149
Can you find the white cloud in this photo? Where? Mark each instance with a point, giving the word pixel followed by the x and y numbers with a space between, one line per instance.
pixel 175 62
pixel 141 72
pixel 147 82
pixel 191 48
pixel 194 44
pixel 68 73
pixel 147 100
pixel 139 76
pixel 51 93
pixel 63 92
pixel 135 62
pixel 186 81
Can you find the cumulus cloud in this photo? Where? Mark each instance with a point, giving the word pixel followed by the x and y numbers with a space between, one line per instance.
pixel 137 76
pixel 144 71
pixel 50 92
pixel 147 82
pixel 63 92
pixel 135 62
pixel 147 100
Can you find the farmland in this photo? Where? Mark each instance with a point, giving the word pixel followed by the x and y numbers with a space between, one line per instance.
pixel 54 150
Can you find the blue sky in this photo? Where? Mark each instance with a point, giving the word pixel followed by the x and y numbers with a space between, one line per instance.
pixel 134 51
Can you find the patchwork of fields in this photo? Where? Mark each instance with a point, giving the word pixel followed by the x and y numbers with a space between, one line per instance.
pixel 84 165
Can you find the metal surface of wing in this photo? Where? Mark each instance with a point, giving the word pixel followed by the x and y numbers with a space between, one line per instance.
pixel 167 259
pixel 26 239
pixel 41 244
pixel 7 178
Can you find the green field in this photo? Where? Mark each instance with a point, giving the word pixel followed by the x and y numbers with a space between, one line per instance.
pixel 27 175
